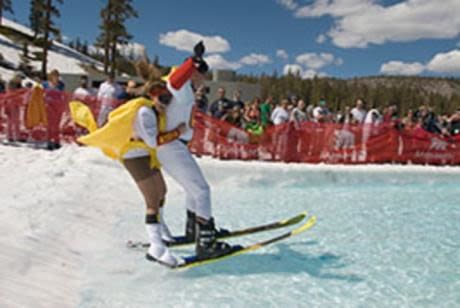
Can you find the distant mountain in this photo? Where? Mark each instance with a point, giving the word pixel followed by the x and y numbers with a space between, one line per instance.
pixel 446 87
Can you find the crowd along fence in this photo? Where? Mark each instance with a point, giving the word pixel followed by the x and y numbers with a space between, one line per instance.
pixel 30 114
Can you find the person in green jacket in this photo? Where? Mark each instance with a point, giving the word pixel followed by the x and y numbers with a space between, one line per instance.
pixel 265 111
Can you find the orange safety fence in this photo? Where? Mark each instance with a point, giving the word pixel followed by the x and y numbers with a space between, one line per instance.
pixel 43 115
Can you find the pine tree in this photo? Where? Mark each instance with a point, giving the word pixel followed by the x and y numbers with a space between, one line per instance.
pixel 5 6
pixel 24 65
pixel 48 29
pixel 36 15
pixel 78 45
pixel 84 48
pixel 113 30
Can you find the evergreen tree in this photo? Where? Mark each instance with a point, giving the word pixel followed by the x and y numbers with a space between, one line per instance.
pixel 78 45
pixel 5 6
pixel 24 65
pixel 36 15
pixel 48 29
pixel 113 30
pixel 84 48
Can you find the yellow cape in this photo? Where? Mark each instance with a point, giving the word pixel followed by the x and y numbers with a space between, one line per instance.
pixel 36 111
pixel 114 138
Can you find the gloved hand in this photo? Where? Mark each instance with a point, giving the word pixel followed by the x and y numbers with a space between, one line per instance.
pixel 198 50
pixel 198 60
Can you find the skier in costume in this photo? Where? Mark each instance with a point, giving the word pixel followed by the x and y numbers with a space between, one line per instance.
pixel 132 134
pixel 179 163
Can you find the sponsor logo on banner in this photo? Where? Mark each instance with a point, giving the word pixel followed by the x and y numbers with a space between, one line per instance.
pixel 438 144
pixel 236 135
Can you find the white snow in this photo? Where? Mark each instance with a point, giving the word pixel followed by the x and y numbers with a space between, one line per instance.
pixel 63 212
pixel 60 57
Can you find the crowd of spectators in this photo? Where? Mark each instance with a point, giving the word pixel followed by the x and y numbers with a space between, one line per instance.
pixel 257 114
pixel 105 98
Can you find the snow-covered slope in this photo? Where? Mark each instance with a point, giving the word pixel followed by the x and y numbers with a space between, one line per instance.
pixel 61 57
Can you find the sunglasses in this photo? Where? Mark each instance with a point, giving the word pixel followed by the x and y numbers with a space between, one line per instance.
pixel 165 98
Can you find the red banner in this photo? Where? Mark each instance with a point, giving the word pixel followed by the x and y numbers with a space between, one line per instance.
pixel 308 142
pixel 329 143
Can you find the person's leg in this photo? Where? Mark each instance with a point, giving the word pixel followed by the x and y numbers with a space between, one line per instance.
pixel 103 114
pixel 153 189
pixel 177 160
pixel 179 163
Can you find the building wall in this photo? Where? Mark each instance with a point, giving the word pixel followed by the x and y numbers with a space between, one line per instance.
pixel 248 91
pixel 221 78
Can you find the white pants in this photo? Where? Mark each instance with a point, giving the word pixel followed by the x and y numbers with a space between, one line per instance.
pixel 178 162
pixel 103 114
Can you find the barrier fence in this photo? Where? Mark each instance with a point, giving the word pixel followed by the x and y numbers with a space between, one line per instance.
pixel 37 115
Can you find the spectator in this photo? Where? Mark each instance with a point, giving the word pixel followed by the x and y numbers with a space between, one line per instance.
pixel 2 85
pixel 12 108
pixel 358 112
pixel 201 100
pixel 280 115
pixel 237 99
pixel 371 122
pixel 234 116
pixel 83 91
pixel 129 92
pixel 454 123
pixel 390 113
pixel 266 110
pixel 252 115
pixel 373 117
pixel 298 114
pixel 321 113
pixel 55 106
pixel 108 92
pixel 309 112
pixel 220 105
pixel 431 124
pixel 2 90
pixel 409 121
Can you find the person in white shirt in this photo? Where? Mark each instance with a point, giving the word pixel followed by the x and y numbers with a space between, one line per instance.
pixel 280 114
pixel 108 92
pixel 298 114
pixel 178 162
pixel 358 112
pixel 321 113
pixel 83 91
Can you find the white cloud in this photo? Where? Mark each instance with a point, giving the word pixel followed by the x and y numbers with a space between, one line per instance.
pixel 402 68
pixel 281 53
pixel 185 40
pixel 359 23
pixel 297 69
pixel 448 62
pixel 288 4
pixel 217 62
pixel 292 69
pixel 255 59
pixel 133 50
pixel 335 8
pixel 321 38
pixel 315 61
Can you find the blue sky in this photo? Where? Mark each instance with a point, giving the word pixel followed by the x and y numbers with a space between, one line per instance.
pixel 339 38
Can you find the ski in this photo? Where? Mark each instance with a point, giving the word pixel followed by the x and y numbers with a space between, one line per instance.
pixel 182 240
pixel 193 261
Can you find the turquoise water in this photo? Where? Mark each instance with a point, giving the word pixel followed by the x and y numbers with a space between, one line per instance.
pixel 385 238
